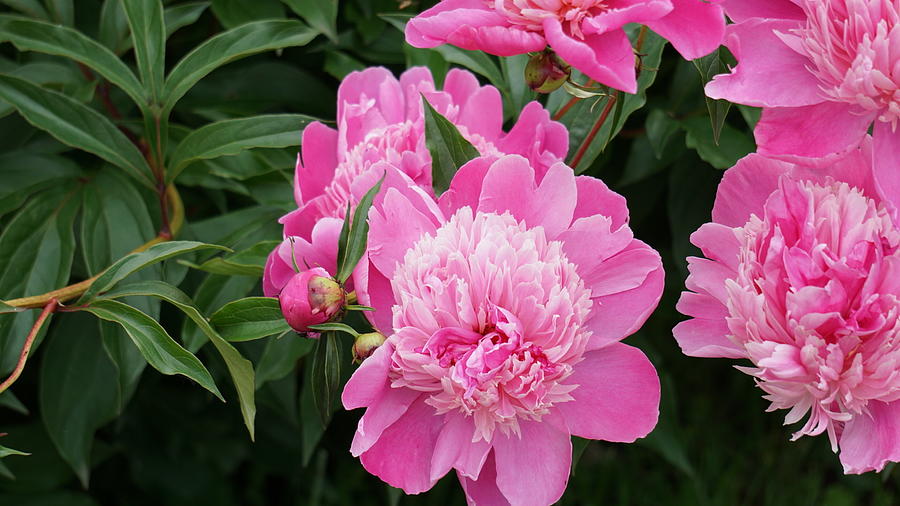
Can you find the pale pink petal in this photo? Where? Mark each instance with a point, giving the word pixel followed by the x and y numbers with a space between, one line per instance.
pixel 393 229
pixel 590 241
pixel 454 448
pixel 480 107
pixel 387 408
pixel 594 197
pixel 871 441
pixel 465 187
pixel 784 132
pixel 745 188
pixel 533 469
pixel 402 455
pixel 276 274
pixel 469 24
pixel 606 58
pixel 379 295
pixel 315 167
pixel 718 242
pixel 536 137
pixel 699 337
pixel 694 27
pixel 624 271
pixel 484 491
pixel 740 10
pixel 617 398
pixel 617 316
pixel 887 163
pixel 370 380
pixel 768 73
pixel 623 12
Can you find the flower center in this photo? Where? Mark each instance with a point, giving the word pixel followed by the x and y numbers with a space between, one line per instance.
pixel 815 303
pixel 851 45
pixel 489 320
pixel 532 13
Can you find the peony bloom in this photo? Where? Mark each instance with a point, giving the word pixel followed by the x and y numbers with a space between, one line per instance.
pixel 310 297
pixel 380 119
pixel 802 278
pixel 823 72
pixel 585 33
pixel 504 302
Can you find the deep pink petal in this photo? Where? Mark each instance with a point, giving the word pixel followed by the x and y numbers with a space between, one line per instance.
pixel 536 137
pixel 300 222
pixel 694 27
pixel 470 25
pixel 394 228
pixel 740 10
pixel 606 58
pixel 533 469
pixel 379 295
pixel 615 317
pixel 621 13
pixel 402 455
pixel 454 448
pixel 745 188
pixel 370 380
pixel 484 491
pixel 624 271
pixel 768 73
pixel 718 242
pixel 315 168
pixel 699 337
pixel 617 398
pixel 465 188
pixel 784 132
pixel 594 197
pixel 480 107
pixel 276 274
pixel 386 409
pixel 871 441
pixel 886 166
pixel 709 277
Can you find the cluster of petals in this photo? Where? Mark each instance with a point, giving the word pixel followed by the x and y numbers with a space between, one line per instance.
pixel 825 73
pixel 587 34
pixel 504 302
pixel 801 276
pixel 380 121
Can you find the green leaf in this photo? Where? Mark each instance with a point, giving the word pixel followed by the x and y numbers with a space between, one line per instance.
pixel 232 13
pixel 280 357
pixel 179 16
pixel 732 146
pixel 231 137
pixel 113 25
pixel 249 318
pixel 36 251
pixel 75 124
pixel 319 14
pixel 10 401
pixel 6 452
pixel 240 369
pixel 660 129
pixel 31 8
pixel 62 11
pixel 249 262
pixel 449 149
pixel 356 234
pixel 335 327
pixel 148 35
pixel 24 174
pixel 214 292
pixel 78 390
pixel 136 261
pixel 156 345
pixel 31 35
pixel 228 46
pixel 326 375
pixel 709 66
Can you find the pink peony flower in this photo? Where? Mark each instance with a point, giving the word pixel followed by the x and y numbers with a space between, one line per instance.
pixel 585 33
pixel 802 278
pixel 823 71
pixel 380 119
pixel 504 302
pixel 310 297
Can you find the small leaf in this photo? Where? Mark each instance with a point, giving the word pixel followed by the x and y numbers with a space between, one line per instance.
pixel 449 149
pixel 710 66
pixel 356 307
pixel 10 401
pixel 250 318
pixel 249 262
pixel 335 327
pixel 231 45
pixel 75 124
pixel 148 35
pixel 31 35
pixel 319 14
pixel 358 234
pixel 240 369
pixel 136 261
pixel 6 452
pixel 230 137
pixel 326 375
pixel 155 344
pixel 6 308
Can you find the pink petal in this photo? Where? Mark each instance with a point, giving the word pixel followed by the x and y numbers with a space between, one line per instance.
pixel 402 455
pixel 784 132
pixel 454 448
pixel 300 222
pixel 694 27
pixel 484 491
pixel 624 271
pixel 615 317
pixel 745 188
pixel 622 12
pixel 606 58
pixel 315 168
pixel 594 197
pixel 870 441
pixel 470 24
pixel 480 107
pixel 700 337
pixel 276 274
pixel 465 188
pixel 769 73
pixel 709 277
pixel 887 163
pixel 379 295
pixel 393 229
pixel 370 380
pixel 374 83
pixel 701 305
pixel 381 414
pixel 617 398
pixel 718 242
pixel 533 469
pixel 740 10
pixel 536 137
pixel 590 241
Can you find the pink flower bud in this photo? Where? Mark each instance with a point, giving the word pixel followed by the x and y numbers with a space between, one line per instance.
pixel 311 297
pixel 545 72
pixel 365 345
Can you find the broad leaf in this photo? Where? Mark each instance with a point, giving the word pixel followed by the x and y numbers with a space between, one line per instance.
pixel 24 173
pixel 232 13
pixel 356 235
pixel 31 35
pixel 449 149
pixel 230 137
pixel 62 11
pixel 148 35
pixel 240 368
pixel 155 344
pixel 136 261
pixel 31 8
pixel 709 66
pixel 249 262
pixel 319 14
pixel 78 390
pixel 335 327
pixel 236 43
pixel 250 318
pixel 75 124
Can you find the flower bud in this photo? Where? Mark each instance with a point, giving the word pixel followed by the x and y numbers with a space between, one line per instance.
pixel 546 72
pixel 365 345
pixel 311 297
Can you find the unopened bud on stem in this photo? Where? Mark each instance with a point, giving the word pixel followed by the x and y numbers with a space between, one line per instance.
pixel 546 72
pixel 365 345
pixel 311 297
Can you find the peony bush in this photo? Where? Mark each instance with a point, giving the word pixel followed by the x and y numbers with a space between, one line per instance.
pixel 448 252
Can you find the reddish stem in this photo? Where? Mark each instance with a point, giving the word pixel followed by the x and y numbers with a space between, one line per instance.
pixel 593 133
pixel 571 103
pixel 29 341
